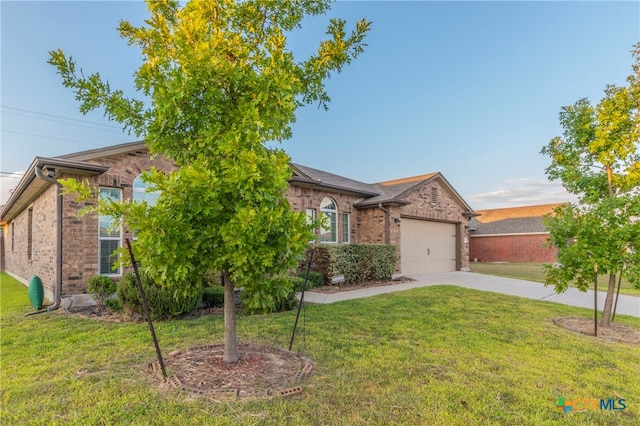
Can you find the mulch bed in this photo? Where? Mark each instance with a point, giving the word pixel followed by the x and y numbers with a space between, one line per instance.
pixel 330 289
pixel 615 333
pixel 262 372
pixel 200 371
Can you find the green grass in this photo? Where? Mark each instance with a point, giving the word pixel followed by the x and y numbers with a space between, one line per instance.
pixel 534 272
pixel 438 355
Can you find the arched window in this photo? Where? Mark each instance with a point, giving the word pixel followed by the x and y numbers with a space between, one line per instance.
pixel 141 194
pixel 329 208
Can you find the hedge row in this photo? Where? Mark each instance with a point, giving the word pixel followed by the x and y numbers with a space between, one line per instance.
pixel 357 262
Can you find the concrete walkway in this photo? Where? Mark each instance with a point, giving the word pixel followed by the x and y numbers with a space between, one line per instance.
pixel 627 305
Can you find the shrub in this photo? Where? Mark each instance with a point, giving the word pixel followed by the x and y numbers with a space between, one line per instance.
pixel 315 278
pixel 164 301
pixel 321 262
pixel 298 282
pixel 213 297
pixel 277 295
pixel 114 305
pixel 357 262
pixel 101 287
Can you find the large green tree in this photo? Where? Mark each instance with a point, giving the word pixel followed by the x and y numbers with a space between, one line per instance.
pixel 217 82
pixel 598 159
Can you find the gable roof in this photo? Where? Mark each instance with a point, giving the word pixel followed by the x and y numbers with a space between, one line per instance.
pixel 308 176
pixel 107 151
pixel 388 192
pixel 30 187
pixel 392 191
pixel 512 220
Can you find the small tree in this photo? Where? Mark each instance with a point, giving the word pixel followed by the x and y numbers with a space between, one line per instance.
pixel 598 159
pixel 220 82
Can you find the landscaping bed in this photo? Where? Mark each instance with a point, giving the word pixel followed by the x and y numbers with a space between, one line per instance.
pixel 329 289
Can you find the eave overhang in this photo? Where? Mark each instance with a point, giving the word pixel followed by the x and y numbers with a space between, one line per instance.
pixel 318 184
pixel 30 186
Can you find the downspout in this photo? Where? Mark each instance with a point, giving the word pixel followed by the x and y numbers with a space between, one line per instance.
pixel 58 285
pixel 386 223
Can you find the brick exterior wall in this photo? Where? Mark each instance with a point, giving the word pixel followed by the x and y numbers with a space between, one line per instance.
pixel 511 248
pixel 302 198
pixel 434 201
pixel 42 261
pixel 80 234
pixel 368 225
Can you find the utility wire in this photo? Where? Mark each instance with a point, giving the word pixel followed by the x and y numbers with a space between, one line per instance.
pixel 9 175
pixel 58 139
pixel 58 116
pixel 68 124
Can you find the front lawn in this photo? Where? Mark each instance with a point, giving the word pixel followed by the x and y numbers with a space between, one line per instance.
pixel 438 355
pixel 534 272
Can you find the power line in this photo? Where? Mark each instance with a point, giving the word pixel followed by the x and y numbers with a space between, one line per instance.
pixel 62 122
pixel 57 139
pixel 10 175
pixel 59 116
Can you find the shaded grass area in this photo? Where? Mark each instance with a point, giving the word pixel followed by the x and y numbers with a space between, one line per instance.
pixel 534 272
pixel 435 355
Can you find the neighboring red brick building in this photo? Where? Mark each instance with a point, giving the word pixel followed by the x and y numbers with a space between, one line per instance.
pixel 514 234
pixel 423 216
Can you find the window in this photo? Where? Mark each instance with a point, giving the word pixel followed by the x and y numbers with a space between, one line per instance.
pixel 109 236
pixel 13 235
pixel 345 227
pixel 141 194
pixel 311 216
pixel 30 234
pixel 329 208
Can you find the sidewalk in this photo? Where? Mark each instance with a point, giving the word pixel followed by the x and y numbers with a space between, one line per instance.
pixel 627 305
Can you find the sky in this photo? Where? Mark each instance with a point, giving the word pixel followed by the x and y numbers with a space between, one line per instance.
pixel 468 89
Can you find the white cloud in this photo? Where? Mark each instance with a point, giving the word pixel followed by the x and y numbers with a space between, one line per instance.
pixel 7 183
pixel 522 192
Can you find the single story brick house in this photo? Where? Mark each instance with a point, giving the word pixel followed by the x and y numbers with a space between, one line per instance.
pixel 43 235
pixel 514 234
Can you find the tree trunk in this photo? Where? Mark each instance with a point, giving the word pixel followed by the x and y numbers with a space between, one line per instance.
pixel 608 302
pixel 230 343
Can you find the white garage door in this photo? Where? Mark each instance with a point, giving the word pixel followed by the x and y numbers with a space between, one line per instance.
pixel 427 246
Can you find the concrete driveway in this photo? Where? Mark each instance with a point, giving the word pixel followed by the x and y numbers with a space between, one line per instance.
pixel 627 305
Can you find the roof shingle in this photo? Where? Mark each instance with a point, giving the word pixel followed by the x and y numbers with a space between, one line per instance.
pixel 511 220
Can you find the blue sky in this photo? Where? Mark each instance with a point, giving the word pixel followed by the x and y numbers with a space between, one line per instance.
pixel 469 89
